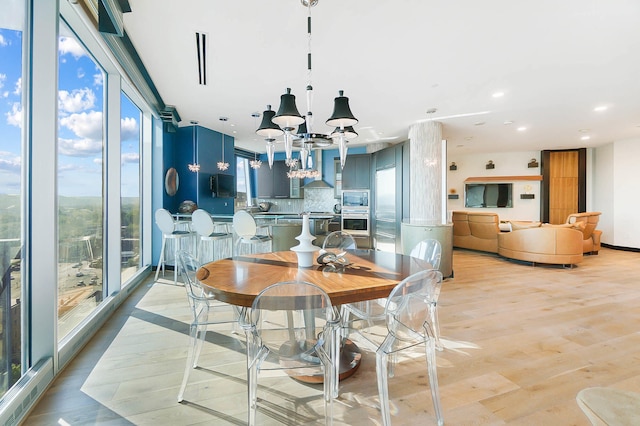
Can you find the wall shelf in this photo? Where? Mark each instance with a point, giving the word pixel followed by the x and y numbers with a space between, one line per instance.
pixel 502 178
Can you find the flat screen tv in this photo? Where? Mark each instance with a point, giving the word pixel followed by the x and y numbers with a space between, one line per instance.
pixel 222 186
pixel 490 195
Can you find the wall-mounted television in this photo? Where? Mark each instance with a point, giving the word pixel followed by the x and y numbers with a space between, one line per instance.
pixel 489 195
pixel 222 186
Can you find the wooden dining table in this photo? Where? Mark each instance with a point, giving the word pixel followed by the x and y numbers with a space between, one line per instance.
pixel 368 275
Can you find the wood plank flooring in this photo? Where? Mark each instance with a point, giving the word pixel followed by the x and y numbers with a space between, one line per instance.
pixel 520 342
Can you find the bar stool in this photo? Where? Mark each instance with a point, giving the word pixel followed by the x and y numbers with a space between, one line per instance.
pixel 245 226
pixel 167 226
pixel 205 227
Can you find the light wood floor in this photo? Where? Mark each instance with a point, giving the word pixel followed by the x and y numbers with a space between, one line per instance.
pixel 521 342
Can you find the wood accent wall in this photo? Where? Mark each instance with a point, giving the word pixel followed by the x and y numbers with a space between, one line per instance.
pixel 564 184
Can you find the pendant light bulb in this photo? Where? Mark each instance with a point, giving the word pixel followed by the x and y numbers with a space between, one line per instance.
pixel 223 165
pixel 194 167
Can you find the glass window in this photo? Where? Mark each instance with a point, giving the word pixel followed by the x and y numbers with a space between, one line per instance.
pixel 243 180
pixel 11 195
pixel 80 182
pixel 130 222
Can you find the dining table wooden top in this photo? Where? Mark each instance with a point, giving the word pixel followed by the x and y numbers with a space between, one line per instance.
pixel 369 275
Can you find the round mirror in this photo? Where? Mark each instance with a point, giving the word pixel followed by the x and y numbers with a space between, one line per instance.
pixel 171 182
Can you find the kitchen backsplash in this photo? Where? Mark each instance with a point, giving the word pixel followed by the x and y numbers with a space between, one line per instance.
pixel 315 200
pixel 319 200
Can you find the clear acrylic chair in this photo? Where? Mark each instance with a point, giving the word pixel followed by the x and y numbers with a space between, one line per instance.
pixel 213 243
pixel 202 308
pixel 372 311
pixel 430 250
pixel 167 226
pixel 408 324
pixel 244 225
pixel 292 327
pixel 339 241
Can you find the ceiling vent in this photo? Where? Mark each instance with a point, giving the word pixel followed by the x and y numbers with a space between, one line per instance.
pixel 169 115
pixel 201 50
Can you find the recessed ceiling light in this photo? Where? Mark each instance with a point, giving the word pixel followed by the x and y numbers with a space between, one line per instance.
pixel 459 146
pixel 478 123
pixel 432 110
pixel 507 122
pixel 600 108
pixel 585 138
pixel 583 130
pixel 522 129
pixel 468 138
pixel 498 94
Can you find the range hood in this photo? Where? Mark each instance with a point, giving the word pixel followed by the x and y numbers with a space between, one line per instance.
pixel 318 182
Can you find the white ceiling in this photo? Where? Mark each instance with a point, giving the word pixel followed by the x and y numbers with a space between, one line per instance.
pixel 555 61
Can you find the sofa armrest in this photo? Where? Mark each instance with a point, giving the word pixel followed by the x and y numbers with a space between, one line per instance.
pixel 596 235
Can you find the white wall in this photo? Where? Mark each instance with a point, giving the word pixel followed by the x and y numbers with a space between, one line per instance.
pixel 626 177
pixel 506 164
pixel 602 191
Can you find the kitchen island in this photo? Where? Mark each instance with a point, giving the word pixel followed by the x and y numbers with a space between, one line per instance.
pixel 283 226
pixel 286 226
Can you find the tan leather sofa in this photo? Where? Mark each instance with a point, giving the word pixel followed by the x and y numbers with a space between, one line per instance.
pixel 527 241
pixel 476 230
pixel 545 244
pixel 590 235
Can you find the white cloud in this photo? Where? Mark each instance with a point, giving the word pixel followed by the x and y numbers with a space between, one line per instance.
pixel 3 42
pixel 4 95
pixel 98 79
pixel 85 125
pixel 80 73
pixel 18 89
pixel 3 78
pixel 10 165
pixel 131 158
pixel 79 147
pixel 129 129
pixel 70 45
pixel 14 117
pixel 68 167
pixel 97 161
pixel 77 100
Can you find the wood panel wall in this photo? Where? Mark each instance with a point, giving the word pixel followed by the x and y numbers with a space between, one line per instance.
pixel 564 184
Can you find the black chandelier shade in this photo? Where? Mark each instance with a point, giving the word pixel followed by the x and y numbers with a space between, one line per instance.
pixel 288 116
pixel 349 133
pixel 268 129
pixel 342 116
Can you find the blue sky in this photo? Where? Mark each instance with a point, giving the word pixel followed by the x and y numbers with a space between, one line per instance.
pixel 80 120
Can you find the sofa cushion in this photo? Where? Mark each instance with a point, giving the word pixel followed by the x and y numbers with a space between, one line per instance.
pixel 476 230
pixel 484 226
pixel 517 225
pixel 461 224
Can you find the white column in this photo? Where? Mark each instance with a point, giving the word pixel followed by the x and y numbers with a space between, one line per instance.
pixel 41 106
pixel 426 164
